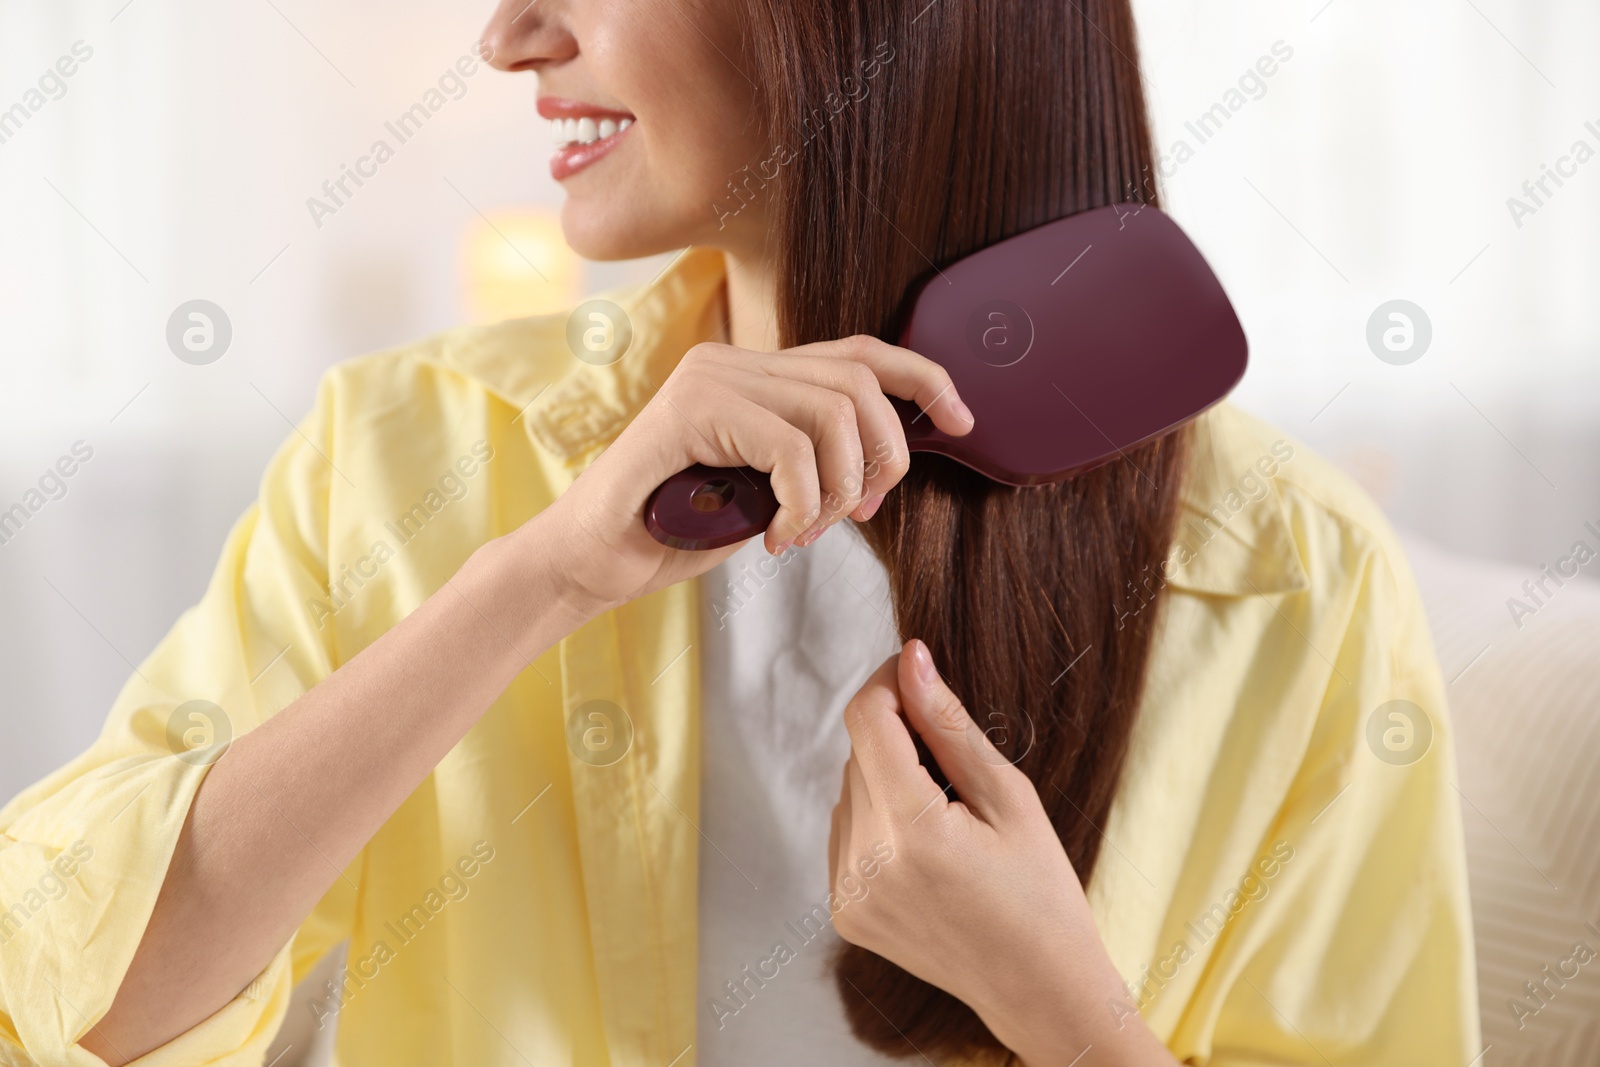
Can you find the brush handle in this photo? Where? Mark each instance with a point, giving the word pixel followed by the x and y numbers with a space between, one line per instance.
pixel 703 507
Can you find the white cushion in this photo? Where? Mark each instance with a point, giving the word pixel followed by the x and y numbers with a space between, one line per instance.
pixel 1526 705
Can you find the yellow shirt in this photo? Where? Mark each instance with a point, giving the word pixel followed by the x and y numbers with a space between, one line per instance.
pixel 1283 880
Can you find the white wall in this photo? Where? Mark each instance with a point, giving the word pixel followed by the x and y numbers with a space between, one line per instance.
pixel 1375 165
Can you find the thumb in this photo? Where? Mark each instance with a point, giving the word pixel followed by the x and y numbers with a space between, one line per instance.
pixel 977 770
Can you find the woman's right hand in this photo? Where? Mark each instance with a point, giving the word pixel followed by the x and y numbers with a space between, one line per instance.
pixel 815 417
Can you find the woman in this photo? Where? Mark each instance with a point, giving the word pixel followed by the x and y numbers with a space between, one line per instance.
pixel 467 695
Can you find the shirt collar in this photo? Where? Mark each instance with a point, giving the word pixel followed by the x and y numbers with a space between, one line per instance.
pixel 572 406
pixel 1233 536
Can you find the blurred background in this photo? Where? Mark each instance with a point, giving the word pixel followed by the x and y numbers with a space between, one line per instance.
pixel 1328 156
pixel 1372 164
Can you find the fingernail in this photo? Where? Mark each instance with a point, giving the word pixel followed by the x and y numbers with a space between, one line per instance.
pixel 922 661
pixel 961 410
pixel 870 507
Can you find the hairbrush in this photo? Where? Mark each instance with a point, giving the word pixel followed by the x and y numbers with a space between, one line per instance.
pixel 1071 343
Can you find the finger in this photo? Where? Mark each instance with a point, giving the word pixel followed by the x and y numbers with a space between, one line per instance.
pixel 903 373
pixel 830 418
pixel 882 436
pixel 839 835
pixel 893 780
pixel 860 816
pixel 727 429
pixel 833 843
pixel 982 777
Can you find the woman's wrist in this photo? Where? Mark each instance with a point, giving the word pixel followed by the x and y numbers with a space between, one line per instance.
pixel 1070 999
pixel 523 572
pixel 1039 1016
pixel 1062 1020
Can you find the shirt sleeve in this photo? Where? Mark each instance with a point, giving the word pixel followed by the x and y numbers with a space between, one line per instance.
pixel 83 853
pixel 1353 940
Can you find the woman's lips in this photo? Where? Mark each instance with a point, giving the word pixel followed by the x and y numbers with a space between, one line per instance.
pixel 582 133
pixel 592 140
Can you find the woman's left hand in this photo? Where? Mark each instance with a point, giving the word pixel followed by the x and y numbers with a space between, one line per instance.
pixel 975 896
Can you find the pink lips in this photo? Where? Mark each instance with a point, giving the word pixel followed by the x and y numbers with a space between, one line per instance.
pixel 567 161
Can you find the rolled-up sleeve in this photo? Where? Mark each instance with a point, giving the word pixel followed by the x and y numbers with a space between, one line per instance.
pixel 84 852
pixel 1359 948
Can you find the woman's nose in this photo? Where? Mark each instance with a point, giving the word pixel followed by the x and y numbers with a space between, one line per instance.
pixel 527 34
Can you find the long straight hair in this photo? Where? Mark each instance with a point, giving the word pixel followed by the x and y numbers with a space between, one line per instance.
pixel 906 134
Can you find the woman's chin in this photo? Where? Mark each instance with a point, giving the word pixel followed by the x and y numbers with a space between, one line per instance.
pixel 598 232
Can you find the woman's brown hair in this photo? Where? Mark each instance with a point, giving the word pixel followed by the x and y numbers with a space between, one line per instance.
pixel 906 134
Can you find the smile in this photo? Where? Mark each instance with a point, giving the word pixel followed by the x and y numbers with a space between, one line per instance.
pixel 565 132
pixel 581 133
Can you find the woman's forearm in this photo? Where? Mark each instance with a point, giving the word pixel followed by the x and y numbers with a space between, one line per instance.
pixel 1070 1000
pixel 292 802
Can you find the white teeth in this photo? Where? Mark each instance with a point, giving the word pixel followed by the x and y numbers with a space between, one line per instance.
pixel 585 130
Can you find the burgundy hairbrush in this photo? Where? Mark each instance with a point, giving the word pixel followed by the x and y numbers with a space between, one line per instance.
pixel 1071 343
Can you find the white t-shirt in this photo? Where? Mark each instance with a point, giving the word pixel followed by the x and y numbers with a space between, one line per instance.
pixel 786 642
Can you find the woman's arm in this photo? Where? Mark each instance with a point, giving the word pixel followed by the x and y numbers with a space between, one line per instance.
pixel 292 802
